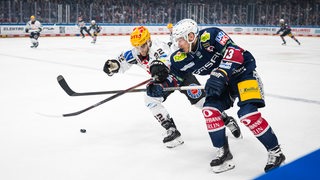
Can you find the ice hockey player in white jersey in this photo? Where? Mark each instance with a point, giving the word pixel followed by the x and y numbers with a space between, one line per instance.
pixel 83 27
pixel 33 27
pixel 153 55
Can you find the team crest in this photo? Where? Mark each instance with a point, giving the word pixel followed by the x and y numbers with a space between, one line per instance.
pixel 194 93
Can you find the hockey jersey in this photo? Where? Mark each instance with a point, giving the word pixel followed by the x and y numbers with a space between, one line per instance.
pixel 158 51
pixel 214 49
pixel 81 23
pixel 95 28
pixel 34 26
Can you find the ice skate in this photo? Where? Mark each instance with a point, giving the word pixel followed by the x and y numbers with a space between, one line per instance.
pixel 94 39
pixel 275 159
pixel 34 45
pixel 173 138
pixel 233 126
pixel 283 44
pixel 223 160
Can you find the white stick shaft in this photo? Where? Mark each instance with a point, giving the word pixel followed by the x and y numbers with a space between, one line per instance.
pixel 183 88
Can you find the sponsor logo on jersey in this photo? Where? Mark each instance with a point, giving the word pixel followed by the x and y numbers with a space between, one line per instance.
pixel 208 65
pixel 194 93
pixel 205 37
pixel 198 53
pixel 210 48
pixel 180 56
pixel 239 71
pixel 225 65
pixel 205 45
pixel 187 66
pixel 222 38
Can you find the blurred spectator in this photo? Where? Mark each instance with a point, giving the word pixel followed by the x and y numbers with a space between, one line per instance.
pixel 243 12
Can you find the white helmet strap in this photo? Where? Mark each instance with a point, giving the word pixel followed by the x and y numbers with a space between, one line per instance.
pixel 190 42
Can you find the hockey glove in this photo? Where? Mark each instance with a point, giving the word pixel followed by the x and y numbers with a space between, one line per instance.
pixel 159 71
pixel 27 30
pixel 216 84
pixel 111 66
pixel 155 89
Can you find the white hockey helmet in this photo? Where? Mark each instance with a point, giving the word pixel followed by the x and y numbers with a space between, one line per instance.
pixel 183 28
pixel 93 22
pixel 281 21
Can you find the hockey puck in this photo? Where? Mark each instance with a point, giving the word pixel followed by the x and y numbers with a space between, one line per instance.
pixel 83 130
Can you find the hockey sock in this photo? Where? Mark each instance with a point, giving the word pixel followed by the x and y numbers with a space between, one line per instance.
pixel 261 129
pixel 215 126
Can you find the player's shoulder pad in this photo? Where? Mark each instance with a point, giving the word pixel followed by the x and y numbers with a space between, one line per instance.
pixel 179 56
pixel 128 55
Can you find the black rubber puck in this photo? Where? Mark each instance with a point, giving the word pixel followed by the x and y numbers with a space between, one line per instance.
pixel 83 130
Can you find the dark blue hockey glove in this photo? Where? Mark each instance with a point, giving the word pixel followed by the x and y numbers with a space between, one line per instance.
pixel 156 89
pixel 27 30
pixel 216 84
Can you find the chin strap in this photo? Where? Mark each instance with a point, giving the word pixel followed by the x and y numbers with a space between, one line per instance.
pixel 190 43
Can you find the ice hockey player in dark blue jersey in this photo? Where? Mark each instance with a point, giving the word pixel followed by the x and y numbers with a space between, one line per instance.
pixel 152 55
pixel 232 75
pixel 96 29
pixel 286 30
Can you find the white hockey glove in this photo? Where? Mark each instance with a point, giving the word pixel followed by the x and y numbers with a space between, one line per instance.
pixel 111 66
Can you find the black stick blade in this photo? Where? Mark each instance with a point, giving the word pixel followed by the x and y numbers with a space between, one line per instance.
pixel 64 85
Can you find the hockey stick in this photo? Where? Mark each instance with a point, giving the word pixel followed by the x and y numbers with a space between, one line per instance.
pixel 106 100
pixel 64 85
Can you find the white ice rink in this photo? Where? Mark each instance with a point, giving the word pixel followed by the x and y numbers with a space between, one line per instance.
pixel 123 140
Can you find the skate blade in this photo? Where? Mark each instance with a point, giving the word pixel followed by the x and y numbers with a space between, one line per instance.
pixel 226 166
pixel 174 143
pixel 240 137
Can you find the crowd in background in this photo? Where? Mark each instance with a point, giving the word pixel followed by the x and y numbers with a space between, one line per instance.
pixel 243 12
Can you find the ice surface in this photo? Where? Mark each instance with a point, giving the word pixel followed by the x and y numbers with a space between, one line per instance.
pixel 123 140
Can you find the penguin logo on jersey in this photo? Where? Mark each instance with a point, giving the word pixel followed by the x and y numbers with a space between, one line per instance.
pixel 194 93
